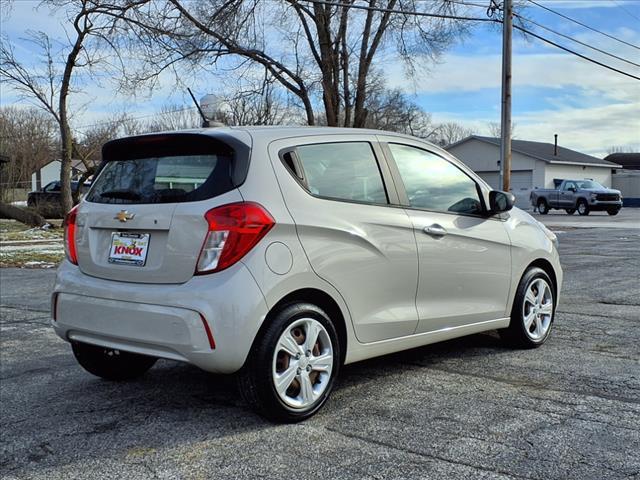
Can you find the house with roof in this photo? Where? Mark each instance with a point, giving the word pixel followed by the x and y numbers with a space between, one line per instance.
pixel 533 164
pixel 51 172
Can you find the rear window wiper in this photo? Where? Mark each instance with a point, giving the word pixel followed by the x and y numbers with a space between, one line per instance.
pixel 123 194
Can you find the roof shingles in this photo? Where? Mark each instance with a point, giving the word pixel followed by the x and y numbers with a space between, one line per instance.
pixel 545 151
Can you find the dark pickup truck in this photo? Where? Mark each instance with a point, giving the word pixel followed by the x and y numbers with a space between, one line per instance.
pixel 48 201
pixel 582 195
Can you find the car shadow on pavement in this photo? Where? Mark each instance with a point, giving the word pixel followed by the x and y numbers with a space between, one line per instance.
pixel 481 344
pixel 176 406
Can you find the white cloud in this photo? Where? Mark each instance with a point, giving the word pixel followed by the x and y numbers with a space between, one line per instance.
pixel 590 130
pixel 545 70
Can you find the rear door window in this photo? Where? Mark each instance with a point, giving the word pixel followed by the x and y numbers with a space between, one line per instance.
pixel 342 171
pixel 168 170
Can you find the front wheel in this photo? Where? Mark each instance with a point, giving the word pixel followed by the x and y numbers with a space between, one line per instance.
pixel 583 207
pixel 111 364
pixel 532 312
pixel 293 365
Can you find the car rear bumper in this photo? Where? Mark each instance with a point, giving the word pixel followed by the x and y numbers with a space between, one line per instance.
pixel 165 321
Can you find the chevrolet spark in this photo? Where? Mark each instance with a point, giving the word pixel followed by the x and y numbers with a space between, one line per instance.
pixel 281 254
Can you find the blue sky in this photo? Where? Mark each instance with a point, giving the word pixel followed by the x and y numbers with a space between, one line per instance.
pixel 592 109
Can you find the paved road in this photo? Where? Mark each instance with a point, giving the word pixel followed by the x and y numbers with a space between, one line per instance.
pixel 463 409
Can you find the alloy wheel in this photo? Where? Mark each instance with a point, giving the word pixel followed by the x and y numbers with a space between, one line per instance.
pixel 537 309
pixel 302 363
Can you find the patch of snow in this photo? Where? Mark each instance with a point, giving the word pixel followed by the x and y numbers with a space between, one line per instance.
pixel 42 248
pixel 39 264
pixel 22 203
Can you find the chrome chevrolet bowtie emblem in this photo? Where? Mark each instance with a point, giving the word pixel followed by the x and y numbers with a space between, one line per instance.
pixel 124 215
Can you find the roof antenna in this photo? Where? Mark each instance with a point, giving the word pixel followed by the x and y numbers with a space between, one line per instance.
pixel 206 123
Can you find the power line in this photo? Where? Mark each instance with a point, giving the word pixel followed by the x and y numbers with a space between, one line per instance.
pixel 403 12
pixel 589 59
pixel 628 12
pixel 576 40
pixel 522 29
pixel 584 24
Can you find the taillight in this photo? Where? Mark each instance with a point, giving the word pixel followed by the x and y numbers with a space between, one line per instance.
pixel 70 235
pixel 234 229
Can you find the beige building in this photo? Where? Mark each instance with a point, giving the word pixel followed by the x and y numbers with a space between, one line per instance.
pixel 533 164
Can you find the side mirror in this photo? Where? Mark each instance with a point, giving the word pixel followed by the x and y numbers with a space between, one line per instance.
pixel 501 201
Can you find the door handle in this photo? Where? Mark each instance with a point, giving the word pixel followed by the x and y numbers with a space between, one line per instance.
pixel 435 230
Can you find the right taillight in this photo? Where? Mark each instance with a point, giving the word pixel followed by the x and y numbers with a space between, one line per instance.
pixel 70 235
pixel 234 229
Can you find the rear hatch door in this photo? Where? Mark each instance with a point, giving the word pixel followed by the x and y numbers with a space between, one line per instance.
pixel 143 219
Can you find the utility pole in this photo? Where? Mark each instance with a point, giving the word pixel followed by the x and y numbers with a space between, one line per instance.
pixel 505 120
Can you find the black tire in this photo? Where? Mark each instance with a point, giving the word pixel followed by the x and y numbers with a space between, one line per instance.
pixel 255 380
pixel 613 211
pixel 111 364
pixel 570 211
pixel 543 208
pixel 582 207
pixel 516 335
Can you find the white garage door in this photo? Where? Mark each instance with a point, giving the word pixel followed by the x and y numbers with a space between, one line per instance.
pixel 521 185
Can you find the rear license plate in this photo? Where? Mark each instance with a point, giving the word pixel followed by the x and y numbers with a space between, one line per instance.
pixel 129 248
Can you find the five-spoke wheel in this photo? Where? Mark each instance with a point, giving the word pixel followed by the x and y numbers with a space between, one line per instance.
pixel 302 363
pixel 532 312
pixel 537 309
pixel 293 364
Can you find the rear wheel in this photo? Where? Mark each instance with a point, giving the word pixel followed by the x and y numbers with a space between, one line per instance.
pixel 570 211
pixel 532 312
pixel 293 365
pixel 543 208
pixel 613 211
pixel 583 207
pixel 111 364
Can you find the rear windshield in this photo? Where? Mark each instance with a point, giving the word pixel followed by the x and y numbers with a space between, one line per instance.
pixel 163 169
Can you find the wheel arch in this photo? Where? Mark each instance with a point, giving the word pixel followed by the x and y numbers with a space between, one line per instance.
pixel 320 299
pixel 547 267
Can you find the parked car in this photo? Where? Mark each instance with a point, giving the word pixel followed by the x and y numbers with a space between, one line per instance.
pixel 281 254
pixel 48 201
pixel 582 195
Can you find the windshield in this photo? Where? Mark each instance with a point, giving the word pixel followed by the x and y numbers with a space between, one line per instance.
pixel 588 185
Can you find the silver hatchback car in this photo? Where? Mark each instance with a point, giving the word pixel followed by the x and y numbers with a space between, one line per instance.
pixel 284 253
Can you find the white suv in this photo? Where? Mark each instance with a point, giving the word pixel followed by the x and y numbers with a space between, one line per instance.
pixel 284 253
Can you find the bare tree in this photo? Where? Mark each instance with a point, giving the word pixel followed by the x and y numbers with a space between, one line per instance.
pixel 28 138
pixel 392 110
pixel 259 103
pixel 495 129
pixel 451 132
pixel 51 87
pixel 172 117
pixel 320 53
pixel 621 149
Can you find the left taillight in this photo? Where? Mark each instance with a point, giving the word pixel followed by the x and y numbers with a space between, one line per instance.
pixel 70 235
pixel 234 229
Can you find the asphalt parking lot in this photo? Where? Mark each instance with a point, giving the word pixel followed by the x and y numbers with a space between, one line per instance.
pixel 468 408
